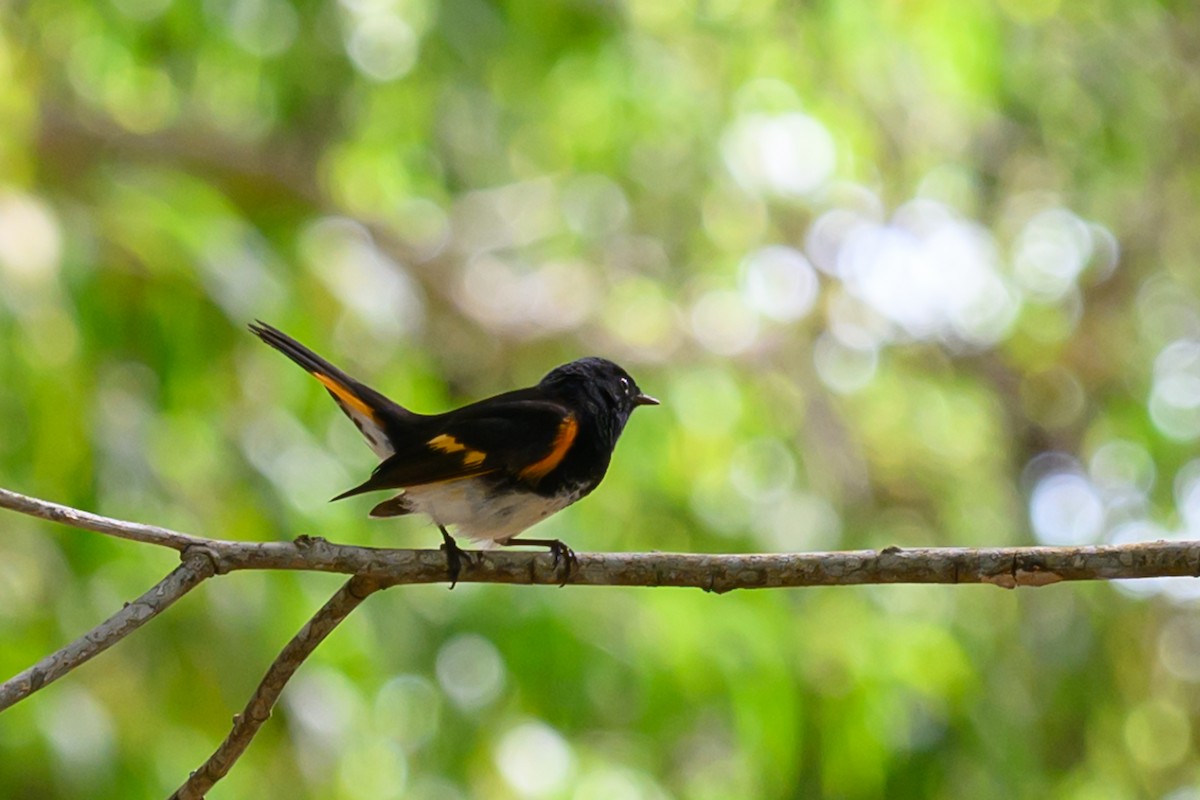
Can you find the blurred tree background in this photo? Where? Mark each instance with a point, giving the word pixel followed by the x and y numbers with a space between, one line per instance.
pixel 902 273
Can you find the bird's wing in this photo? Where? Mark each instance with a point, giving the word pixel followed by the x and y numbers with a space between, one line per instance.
pixel 525 438
pixel 372 413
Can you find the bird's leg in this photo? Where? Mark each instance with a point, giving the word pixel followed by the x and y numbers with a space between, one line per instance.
pixel 564 557
pixel 455 555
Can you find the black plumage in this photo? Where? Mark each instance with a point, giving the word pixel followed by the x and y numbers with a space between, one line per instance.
pixel 494 467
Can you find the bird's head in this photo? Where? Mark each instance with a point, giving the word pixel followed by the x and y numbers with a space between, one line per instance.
pixel 601 382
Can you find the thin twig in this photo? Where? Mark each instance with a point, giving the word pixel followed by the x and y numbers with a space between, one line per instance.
pixel 258 710
pixel 150 534
pixel 188 575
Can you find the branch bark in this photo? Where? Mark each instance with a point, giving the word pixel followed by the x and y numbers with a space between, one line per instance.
pixel 375 568
pixel 258 710
pixel 180 581
pixel 84 520
pixel 1008 567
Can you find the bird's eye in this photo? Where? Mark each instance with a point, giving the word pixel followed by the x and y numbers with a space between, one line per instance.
pixel 625 385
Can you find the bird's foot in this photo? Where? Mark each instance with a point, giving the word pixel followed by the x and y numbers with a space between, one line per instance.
pixel 455 556
pixel 564 561
pixel 564 557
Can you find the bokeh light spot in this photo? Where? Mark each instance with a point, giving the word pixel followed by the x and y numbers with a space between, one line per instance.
pixel 594 205
pixel 382 46
pixel 1157 734
pixel 762 470
pixel 534 759
pixel 638 313
pixel 325 707
pixel 1066 509
pixel 408 709
pixel 616 783
pixel 1175 393
pixel 79 729
pixel 1179 647
pixel 263 28
pixel 344 256
pixel 1187 496
pixel 1053 398
pixel 1050 253
pixel 931 273
pixel 470 671
pixel 423 225
pixel 1120 466
pixel 30 239
pixel 791 154
pixel 799 521
pixel 845 366
pixel 518 298
pixel 723 323
pixel 779 283
pixel 373 770
pixel 828 233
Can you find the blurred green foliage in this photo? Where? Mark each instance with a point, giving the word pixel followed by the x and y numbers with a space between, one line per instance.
pixel 902 273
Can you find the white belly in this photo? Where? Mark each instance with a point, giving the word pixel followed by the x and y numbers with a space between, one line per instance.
pixel 478 514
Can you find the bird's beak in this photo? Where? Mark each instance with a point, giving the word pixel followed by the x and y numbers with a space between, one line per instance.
pixel 644 400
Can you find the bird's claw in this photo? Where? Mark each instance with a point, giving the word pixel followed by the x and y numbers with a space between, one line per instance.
pixel 455 557
pixel 564 561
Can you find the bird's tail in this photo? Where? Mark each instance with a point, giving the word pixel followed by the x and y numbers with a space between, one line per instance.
pixel 373 413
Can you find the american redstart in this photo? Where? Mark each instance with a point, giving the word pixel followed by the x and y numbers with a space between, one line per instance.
pixel 492 468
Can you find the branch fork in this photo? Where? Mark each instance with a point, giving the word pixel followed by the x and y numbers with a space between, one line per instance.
pixel 373 569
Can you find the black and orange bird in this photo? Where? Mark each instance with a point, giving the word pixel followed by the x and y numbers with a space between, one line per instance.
pixel 492 468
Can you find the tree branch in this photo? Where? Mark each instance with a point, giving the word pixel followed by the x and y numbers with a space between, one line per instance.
pixel 258 710
pixel 187 576
pixel 1008 567
pixel 374 569
pixel 73 517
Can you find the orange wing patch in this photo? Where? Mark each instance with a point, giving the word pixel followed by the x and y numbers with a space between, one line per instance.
pixel 567 431
pixel 347 397
pixel 448 444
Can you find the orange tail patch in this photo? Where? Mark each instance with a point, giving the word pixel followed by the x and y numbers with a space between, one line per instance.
pixel 346 396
